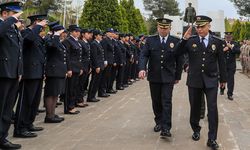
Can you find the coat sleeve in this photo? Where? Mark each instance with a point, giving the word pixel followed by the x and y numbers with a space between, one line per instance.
pixel 67 46
pixel 144 56
pixel 236 48
pixel 221 63
pixel 93 55
pixel 179 67
pixel 4 25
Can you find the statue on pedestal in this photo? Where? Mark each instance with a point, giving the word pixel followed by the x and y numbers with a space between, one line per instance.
pixel 190 14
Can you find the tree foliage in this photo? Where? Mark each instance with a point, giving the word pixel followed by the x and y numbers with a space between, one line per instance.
pixel 103 14
pixel 236 29
pixel 243 6
pixel 161 7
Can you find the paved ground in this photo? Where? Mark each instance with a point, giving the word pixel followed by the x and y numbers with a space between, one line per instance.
pixel 125 122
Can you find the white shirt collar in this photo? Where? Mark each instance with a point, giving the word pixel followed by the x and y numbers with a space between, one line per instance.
pixel 97 41
pixel 165 38
pixel 206 37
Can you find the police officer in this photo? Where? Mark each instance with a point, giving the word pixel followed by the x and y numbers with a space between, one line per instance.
pixel 10 67
pixel 74 67
pixel 55 72
pixel 164 70
pixel 108 47
pixel 121 62
pixel 97 60
pixel 117 61
pixel 32 83
pixel 231 49
pixel 206 64
pixel 84 38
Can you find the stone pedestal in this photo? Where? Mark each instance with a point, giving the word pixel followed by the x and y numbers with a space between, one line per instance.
pixel 185 28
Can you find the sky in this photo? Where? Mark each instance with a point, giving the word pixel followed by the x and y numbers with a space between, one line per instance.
pixel 203 6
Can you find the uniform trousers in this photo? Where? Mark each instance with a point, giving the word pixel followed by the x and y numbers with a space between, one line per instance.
pixel 195 96
pixel 8 92
pixel 161 95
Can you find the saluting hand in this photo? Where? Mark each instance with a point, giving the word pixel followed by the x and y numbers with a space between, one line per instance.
pixel 142 74
pixel 17 15
pixel 43 23
pixel 188 33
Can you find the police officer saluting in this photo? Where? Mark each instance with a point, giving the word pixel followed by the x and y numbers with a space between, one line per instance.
pixel 10 67
pixel 164 70
pixel 206 64
pixel 31 85
pixel 231 49
pixel 55 71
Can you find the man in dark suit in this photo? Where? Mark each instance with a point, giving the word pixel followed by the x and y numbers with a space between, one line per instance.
pixel 164 70
pixel 231 49
pixel 11 68
pixel 206 64
pixel 97 60
pixel 31 85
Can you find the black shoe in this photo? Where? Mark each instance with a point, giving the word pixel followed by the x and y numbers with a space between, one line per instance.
pixel 125 85
pixel 111 91
pixel 104 95
pixel 202 116
pixel 62 118
pixel 157 128
pixel 25 134
pixel 59 103
pixel 230 98
pixel 8 145
pixel 41 110
pixel 35 129
pixel 196 136
pixel 93 100
pixel 53 120
pixel 213 144
pixel 165 133
pixel 120 88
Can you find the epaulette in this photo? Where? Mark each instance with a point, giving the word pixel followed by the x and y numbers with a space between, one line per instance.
pixel 176 37
pixel 218 38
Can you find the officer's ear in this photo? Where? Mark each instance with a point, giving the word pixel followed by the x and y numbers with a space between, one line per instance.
pixel 209 25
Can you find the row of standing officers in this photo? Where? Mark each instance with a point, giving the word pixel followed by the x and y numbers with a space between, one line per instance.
pixel 65 60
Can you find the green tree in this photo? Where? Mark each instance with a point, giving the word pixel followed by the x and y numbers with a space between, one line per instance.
pixel 136 22
pixel 161 7
pixel 228 27
pixel 243 31
pixel 247 36
pixel 243 6
pixel 124 21
pixel 236 30
pixel 101 14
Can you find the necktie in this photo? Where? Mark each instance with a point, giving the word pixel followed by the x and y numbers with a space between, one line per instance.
pixel 163 40
pixel 203 43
